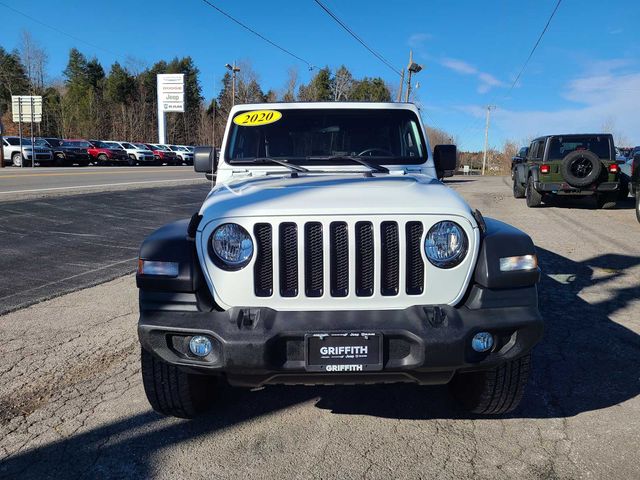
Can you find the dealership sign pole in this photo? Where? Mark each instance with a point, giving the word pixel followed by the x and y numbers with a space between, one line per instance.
pixel 170 99
pixel 26 108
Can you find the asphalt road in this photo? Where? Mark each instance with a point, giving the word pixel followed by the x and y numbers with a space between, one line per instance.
pixel 72 404
pixel 59 244
pixel 23 183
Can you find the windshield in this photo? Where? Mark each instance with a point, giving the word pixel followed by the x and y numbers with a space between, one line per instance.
pixel 54 142
pixel 109 145
pixel 16 141
pixel 128 146
pixel 141 146
pixel 161 147
pixel 560 147
pixel 383 136
pixel 73 143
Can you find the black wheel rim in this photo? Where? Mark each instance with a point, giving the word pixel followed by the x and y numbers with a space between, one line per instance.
pixel 581 167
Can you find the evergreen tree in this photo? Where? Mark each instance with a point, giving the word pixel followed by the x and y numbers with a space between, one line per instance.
pixel 13 79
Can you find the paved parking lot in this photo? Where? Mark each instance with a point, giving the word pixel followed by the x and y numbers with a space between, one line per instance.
pixel 72 405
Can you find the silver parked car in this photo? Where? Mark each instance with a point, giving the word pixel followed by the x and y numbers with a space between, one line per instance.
pixel 12 154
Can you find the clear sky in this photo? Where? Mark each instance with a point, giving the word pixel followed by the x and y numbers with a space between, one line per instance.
pixel 584 75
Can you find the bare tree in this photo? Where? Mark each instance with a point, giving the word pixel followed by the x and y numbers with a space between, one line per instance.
pixel 34 58
pixel 609 126
pixel 291 85
pixel 341 84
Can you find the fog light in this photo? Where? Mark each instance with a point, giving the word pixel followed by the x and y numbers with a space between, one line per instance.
pixel 200 346
pixel 482 342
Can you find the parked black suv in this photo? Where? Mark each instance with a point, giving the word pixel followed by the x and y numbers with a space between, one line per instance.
pixel 518 158
pixel 66 153
pixel 569 165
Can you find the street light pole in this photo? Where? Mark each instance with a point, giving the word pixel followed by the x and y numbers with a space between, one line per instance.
pixel 486 137
pixel 233 69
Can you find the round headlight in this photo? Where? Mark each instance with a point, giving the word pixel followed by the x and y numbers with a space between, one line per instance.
pixel 232 246
pixel 446 244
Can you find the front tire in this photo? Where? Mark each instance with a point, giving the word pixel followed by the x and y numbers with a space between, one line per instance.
pixel 16 159
pixel 131 161
pixel 492 392
pixel 171 391
pixel 534 198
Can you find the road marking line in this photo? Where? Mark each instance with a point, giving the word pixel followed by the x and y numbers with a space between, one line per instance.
pixel 104 185
pixel 71 174
pixel 104 267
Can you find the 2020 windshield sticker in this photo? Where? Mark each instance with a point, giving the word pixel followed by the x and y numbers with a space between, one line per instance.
pixel 255 118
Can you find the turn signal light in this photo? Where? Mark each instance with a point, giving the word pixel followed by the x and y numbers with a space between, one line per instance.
pixel 613 168
pixel 514 264
pixel 165 269
pixel 545 168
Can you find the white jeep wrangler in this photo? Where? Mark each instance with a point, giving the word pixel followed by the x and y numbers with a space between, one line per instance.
pixel 328 252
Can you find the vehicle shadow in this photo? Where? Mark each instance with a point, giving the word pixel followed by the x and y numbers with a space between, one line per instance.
pixel 586 203
pixel 585 362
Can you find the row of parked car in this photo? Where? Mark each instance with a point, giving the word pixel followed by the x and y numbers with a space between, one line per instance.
pixel 68 152
pixel 554 167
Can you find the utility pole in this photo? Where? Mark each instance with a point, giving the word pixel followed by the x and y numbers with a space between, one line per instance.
pixel 412 68
pixel 234 70
pixel 399 97
pixel 486 137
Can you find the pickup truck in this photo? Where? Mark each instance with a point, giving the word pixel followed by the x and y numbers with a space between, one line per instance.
pixel 328 252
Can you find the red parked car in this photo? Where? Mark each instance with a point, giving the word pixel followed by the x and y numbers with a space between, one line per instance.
pixel 105 153
pixel 163 154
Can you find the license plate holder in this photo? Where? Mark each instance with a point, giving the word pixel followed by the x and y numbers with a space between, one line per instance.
pixel 343 352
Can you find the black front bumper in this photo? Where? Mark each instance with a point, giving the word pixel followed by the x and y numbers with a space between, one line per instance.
pixel 566 189
pixel 425 344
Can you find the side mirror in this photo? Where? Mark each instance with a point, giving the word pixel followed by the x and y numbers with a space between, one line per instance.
pixel 204 160
pixel 445 157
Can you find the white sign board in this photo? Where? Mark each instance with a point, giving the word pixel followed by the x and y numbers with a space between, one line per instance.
pixel 26 108
pixel 171 92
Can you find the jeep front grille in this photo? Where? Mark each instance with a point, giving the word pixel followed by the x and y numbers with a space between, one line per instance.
pixel 342 238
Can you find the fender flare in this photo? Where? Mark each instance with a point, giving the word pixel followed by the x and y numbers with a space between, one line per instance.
pixel 499 241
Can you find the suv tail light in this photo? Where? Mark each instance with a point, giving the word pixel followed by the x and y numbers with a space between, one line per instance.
pixel 545 169
pixel 613 168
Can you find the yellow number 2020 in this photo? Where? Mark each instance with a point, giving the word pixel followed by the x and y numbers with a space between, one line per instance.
pixel 256 118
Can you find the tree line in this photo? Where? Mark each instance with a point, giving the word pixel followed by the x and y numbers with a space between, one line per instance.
pixel 120 102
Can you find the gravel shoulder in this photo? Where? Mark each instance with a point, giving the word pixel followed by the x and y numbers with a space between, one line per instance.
pixel 72 404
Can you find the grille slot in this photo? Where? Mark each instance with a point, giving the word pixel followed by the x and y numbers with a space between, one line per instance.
pixel 390 253
pixel 263 269
pixel 339 258
pixel 365 268
pixel 313 259
pixel 288 259
pixel 415 264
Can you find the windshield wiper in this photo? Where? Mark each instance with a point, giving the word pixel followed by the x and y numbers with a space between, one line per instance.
pixel 285 163
pixel 356 159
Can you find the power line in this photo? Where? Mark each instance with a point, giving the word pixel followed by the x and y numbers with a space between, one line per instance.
pixel 355 35
pixel 62 32
pixel 258 34
pixel 535 46
pixel 473 123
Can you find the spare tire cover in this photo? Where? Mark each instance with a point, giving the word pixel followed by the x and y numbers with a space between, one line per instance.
pixel 581 168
